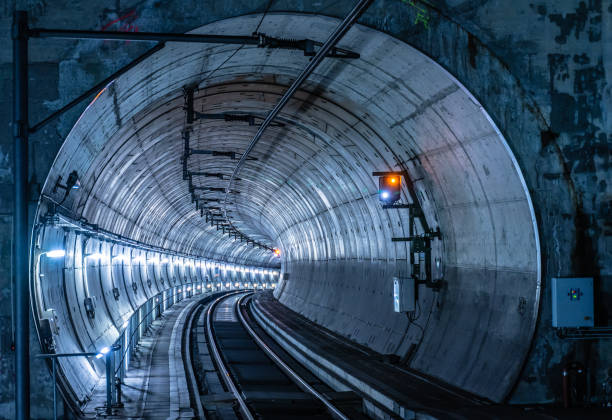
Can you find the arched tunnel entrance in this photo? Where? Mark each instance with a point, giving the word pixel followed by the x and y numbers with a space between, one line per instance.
pixel 309 190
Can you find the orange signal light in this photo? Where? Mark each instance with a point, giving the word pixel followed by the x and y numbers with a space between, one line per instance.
pixel 277 252
pixel 393 180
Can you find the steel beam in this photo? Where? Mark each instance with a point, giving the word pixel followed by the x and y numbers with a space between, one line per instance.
pixel 20 215
pixel 259 39
pixel 144 36
pixel 98 87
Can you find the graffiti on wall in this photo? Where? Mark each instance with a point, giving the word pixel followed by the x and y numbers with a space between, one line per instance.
pixel 422 15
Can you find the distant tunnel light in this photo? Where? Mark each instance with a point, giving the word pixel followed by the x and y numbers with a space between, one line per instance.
pixel 277 252
pixel 56 253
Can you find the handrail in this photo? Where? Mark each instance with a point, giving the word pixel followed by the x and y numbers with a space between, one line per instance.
pixel 53 357
pixel 135 329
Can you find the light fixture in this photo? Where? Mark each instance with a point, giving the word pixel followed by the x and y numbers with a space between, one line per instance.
pixel 120 257
pixel 125 324
pixel 55 253
pixel 165 261
pixel 389 186
pixel 95 256
pixel 102 352
pixel 277 252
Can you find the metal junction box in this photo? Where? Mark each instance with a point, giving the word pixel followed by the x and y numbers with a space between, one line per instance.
pixel 403 294
pixel 572 302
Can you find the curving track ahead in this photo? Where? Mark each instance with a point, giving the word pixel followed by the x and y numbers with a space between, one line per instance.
pixel 264 384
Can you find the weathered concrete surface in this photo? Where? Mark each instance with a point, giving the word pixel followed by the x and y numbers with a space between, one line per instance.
pixel 311 189
pixel 541 70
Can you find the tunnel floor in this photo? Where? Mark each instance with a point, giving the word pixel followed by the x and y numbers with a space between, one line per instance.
pixel 154 387
pixel 380 375
pixel 146 390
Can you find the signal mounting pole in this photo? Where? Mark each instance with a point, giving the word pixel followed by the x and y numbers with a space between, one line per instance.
pixel 20 215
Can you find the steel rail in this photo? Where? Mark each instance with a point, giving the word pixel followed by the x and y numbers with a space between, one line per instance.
pixel 279 362
pixel 224 373
pixel 188 360
pixel 331 41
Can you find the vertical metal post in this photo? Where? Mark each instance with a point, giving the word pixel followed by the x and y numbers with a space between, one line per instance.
pixel 113 383
pixel 54 390
pixel 109 390
pixel 125 353
pixel 20 215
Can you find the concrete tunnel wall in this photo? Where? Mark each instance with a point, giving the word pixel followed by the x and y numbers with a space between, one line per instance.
pixel 311 190
pixel 119 279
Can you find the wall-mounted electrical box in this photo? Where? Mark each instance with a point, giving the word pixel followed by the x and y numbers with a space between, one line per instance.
pixel 572 302
pixel 403 294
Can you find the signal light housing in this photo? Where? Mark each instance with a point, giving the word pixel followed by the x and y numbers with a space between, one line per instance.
pixel 389 188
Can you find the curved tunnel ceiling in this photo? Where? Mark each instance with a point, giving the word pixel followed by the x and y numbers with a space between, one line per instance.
pixel 311 191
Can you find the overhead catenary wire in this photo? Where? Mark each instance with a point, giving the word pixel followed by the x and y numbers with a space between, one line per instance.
pixel 221 65
pixel 331 41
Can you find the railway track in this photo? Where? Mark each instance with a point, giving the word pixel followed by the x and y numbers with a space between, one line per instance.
pixel 260 381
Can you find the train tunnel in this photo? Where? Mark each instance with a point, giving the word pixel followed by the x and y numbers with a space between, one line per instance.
pixel 137 183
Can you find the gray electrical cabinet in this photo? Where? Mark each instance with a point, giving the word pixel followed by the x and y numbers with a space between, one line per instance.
pixel 403 295
pixel 572 302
